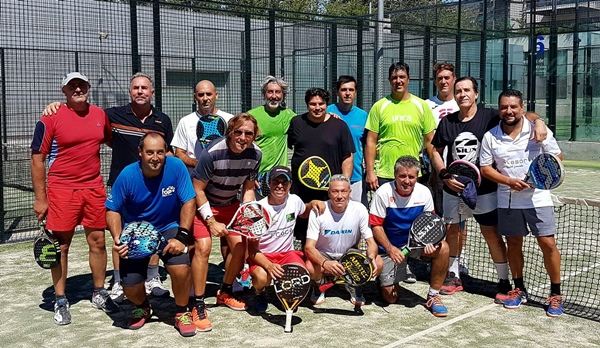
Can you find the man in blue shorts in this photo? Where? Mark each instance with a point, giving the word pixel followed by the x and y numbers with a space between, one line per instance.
pixel 157 189
pixel 394 207
pixel 506 152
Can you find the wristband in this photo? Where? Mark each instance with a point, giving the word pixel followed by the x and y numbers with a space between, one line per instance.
pixel 323 264
pixel 183 235
pixel 205 211
pixel 443 174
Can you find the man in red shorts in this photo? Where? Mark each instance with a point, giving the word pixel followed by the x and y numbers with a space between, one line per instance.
pixel 75 193
pixel 277 247
pixel 225 166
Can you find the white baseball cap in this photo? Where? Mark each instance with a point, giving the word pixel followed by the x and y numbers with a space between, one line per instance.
pixel 74 75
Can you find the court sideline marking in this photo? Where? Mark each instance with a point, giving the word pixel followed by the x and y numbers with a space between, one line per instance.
pixel 475 312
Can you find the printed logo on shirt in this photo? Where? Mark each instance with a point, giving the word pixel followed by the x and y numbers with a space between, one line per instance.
pixel 109 197
pixel 166 192
pixel 402 118
pixel 98 124
pixel 466 147
pixel 336 232
pixel 444 112
pixel 290 217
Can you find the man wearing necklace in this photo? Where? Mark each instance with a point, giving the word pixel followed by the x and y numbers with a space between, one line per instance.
pixel 277 247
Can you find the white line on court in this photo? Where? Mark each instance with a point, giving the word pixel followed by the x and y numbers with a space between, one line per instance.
pixel 477 311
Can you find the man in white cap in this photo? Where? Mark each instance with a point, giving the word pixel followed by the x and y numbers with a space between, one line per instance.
pixel 74 193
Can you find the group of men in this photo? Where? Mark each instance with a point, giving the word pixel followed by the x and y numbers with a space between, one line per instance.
pixel 190 188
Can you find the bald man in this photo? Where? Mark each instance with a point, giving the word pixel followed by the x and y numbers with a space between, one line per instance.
pixel 185 141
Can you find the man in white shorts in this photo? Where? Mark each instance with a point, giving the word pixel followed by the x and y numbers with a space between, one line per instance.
pixel 277 247
pixel 506 152
pixel 394 207
pixel 335 232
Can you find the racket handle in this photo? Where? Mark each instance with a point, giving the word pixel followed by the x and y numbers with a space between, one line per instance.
pixel 405 251
pixel 288 320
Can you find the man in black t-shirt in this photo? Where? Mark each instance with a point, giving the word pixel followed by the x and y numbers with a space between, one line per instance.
pixel 317 133
pixel 462 133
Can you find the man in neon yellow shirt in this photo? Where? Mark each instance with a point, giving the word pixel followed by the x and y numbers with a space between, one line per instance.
pixel 273 122
pixel 397 126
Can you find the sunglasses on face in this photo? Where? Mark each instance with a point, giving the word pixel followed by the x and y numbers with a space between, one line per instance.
pixel 239 132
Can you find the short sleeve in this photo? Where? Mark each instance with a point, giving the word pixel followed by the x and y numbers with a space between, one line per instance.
pixel 314 228
pixel 486 157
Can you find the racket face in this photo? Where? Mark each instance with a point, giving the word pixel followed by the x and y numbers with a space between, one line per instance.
pixel 142 239
pixel 46 250
pixel 250 220
pixel 314 173
pixel 465 168
pixel 209 128
pixel 263 179
pixel 359 268
pixel 546 172
pixel 293 286
pixel 428 228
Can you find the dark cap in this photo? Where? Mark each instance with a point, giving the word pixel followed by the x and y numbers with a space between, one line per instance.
pixel 280 170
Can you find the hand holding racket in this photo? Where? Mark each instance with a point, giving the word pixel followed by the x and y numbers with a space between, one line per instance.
pixel 263 187
pixel 465 168
pixel 141 240
pixel 546 172
pixel 251 220
pixel 291 289
pixel 46 249
pixel 428 228
pixel 209 128
pixel 314 173
pixel 358 270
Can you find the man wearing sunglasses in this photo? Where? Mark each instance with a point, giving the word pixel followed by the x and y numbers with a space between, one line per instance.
pixel 225 166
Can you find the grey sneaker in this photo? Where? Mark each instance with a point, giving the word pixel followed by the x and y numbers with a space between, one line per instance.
pixel 156 288
pixel 356 295
pixel 102 300
pixel 116 294
pixel 61 312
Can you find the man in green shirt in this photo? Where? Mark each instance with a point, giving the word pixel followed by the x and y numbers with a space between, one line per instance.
pixel 273 122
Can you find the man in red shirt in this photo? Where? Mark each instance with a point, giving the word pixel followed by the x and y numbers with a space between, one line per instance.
pixel 74 194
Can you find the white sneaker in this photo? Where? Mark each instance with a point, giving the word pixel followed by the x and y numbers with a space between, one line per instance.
pixel 156 288
pixel 410 277
pixel 117 294
pixel 317 297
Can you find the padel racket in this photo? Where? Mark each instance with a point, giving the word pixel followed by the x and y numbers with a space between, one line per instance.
pixel 546 172
pixel 142 239
pixel 46 249
pixel 291 289
pixel 465 168
pixel 314 173
pixel 358 270
pixel 428 228
pixel 250 220
pixel 263 180
pixel 209 128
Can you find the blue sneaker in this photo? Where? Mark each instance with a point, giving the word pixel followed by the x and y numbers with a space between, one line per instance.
pixel 261 303
pixel 436 307
pixel 555 308
pixel 516 297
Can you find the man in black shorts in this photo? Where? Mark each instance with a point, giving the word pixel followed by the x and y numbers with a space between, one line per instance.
pixel 158 190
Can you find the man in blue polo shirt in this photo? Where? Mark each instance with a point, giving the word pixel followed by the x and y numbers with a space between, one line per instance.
pixel 356 118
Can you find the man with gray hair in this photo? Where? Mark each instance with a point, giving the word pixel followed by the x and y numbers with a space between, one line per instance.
pixel 129 123
pixel 333 233
pixel 273 121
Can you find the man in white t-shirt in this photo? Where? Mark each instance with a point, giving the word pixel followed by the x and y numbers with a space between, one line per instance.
pixel 265 256
pixel 333 233
pixel 506 152
pixel 394 207
pixel 185 141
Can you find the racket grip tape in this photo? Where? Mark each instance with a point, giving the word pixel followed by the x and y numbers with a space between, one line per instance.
pixel 405 251
pixel 288 321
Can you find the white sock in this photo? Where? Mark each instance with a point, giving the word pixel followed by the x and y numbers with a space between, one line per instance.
pixel 116 275
pixel 433 292
pixel 152 272
pixel 502 270
pixel 453 266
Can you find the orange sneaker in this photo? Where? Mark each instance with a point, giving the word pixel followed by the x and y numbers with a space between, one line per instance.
pixel 200 318
pixel 230 301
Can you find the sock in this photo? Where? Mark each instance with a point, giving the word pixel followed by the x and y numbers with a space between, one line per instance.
pixel 60 297
pixel 554 289
pixel 433 292
pixel 144 304
pixel 519 284
pixel 181 309
pixel 453 266
pixel 116 275
pixel 199 299
pixel 502 269
pixel 97 290
pixel 227 288
pixel 152 272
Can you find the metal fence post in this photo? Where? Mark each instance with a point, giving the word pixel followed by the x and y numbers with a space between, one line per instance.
pixel 136 65
pixel 157 55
